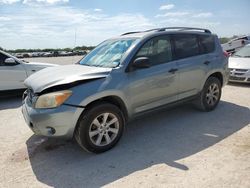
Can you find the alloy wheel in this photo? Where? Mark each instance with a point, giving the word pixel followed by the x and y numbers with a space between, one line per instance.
pixel 212 95
pixel 104 129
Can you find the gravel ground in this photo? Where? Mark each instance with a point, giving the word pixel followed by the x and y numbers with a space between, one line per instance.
pixel 180 147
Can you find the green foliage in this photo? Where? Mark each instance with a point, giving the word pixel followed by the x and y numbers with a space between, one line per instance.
pixel 224 40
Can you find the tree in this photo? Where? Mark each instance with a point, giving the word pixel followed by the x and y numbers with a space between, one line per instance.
pixel 224 40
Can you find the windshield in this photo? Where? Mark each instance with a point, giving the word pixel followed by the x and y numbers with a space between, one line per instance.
pixel 243 52
pixel 108 54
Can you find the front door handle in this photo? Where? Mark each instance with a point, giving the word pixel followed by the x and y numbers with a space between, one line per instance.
pixel 173 70
pixel 207 62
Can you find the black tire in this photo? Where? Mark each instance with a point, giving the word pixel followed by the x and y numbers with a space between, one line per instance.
pixel 86 124
pixel 203 102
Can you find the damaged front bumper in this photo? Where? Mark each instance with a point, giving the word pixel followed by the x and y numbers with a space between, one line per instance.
pixel 55 122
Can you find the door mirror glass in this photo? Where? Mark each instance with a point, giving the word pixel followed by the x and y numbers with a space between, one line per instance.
pixel 141 62
pixel 10 61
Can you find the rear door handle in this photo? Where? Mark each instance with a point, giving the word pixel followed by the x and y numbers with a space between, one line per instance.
pixel 173 70
pixel 207 62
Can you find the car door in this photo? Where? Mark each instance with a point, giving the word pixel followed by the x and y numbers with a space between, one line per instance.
pixel 157 85
pixel 11 75
pixel 192 65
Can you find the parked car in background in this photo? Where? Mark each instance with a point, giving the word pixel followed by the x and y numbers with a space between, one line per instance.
pixel 239 65
pixel 122 78
pixel 81 52
pixel 14 71
pixel 48 54
pixel 233 45
pixel 66 53
pixel 26 55
pixel 19 55
pixel 35 54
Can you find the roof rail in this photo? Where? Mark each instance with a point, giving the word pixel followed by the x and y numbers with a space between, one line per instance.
pixel 132 32
pixel 183 29
pixel 169 28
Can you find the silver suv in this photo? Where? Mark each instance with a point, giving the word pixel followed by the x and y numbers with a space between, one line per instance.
pixel 124 77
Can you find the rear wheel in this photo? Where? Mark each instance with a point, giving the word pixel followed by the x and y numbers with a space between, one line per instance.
pixel 100 128
pixel 210 95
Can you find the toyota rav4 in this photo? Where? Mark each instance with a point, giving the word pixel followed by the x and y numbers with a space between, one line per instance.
pixel 124 77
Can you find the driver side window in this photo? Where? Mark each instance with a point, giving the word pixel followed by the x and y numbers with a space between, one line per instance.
pixel 158 50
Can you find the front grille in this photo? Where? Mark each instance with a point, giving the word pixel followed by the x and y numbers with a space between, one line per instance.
pixel 238 74
pixel 241 70
pixel 30 95
pixel 237 78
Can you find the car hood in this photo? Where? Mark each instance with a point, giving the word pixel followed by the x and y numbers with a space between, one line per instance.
pixel 37 66
pixel 65 74
pixel 41 64
pixel 239 63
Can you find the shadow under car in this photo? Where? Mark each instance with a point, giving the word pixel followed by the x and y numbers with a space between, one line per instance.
pixel 164 137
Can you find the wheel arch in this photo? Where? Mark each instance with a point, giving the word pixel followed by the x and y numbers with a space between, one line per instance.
pixel 218 75
pixel 112 99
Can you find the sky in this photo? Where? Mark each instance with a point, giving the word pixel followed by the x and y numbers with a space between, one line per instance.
pixel 70 23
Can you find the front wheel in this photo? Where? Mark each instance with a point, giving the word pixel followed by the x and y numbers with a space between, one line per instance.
pixel 100 128
pixel 210 95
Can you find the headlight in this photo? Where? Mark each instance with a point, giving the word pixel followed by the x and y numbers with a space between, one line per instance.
pixel 52 100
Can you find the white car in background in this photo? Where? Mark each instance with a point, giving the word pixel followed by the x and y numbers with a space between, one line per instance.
pixel 14 71
pixel 239 65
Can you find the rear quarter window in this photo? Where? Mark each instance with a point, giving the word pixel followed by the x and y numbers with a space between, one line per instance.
pixel 186 45
pixel 207 43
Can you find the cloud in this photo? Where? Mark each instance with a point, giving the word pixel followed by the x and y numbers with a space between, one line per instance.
pixel 8 1
pixel 173 14
pixel 203 15
pixel 185 13
pixel 55 26
pixel 46 26
pixel 98 10
pixel 189 23
pixel 167 7
pixel 4 18
pixel 49 2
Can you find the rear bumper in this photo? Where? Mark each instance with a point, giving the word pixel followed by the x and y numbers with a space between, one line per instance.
pixel 56 122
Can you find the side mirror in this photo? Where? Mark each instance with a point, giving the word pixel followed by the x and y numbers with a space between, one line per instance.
pixel 141 62
pixel 10 61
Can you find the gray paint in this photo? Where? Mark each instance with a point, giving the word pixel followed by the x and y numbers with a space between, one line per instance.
pixel 140 90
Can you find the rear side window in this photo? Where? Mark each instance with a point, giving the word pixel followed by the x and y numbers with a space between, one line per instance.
pixel 207 43
pixel 186 45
